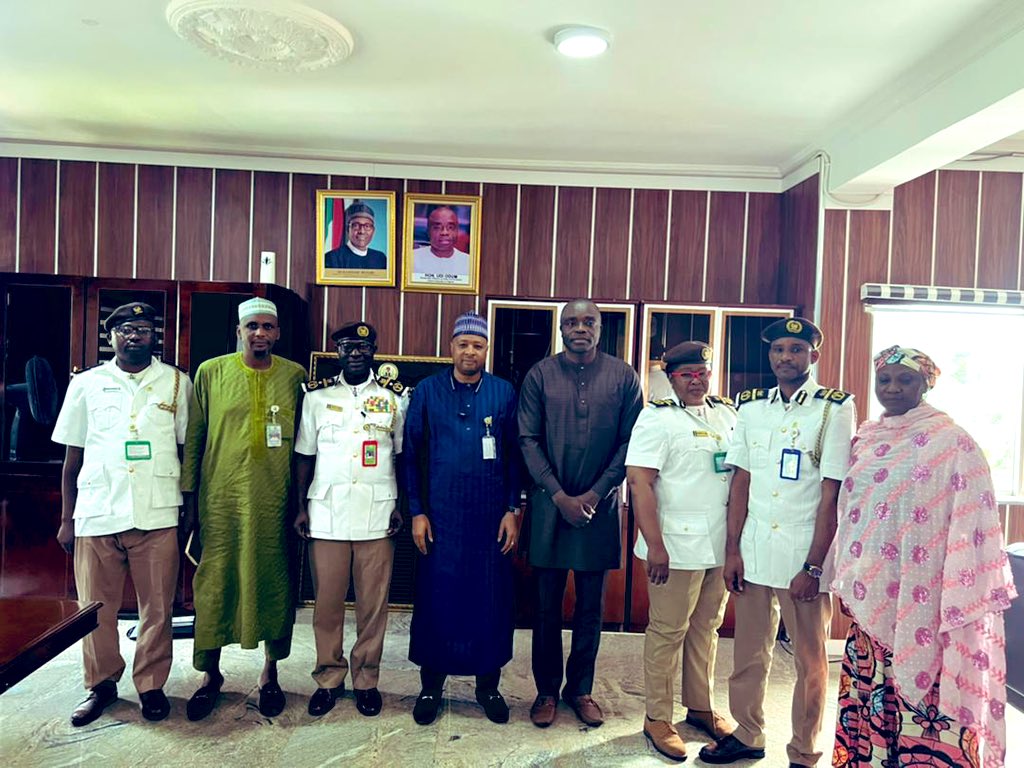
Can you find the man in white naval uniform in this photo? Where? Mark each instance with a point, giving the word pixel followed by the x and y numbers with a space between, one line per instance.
pixel 123 422
pixel 350 436
pixel 679 486
pixel 790 451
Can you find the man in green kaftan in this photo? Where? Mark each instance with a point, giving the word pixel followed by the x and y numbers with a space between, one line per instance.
pixel 237 470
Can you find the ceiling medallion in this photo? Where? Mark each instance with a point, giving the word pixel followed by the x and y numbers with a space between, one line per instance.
pixel 280 35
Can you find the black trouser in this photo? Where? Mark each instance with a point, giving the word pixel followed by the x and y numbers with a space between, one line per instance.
pixel 432 681
pixel 586 631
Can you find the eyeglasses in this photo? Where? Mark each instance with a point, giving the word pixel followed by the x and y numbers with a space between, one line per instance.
pixel 124 331
pixel 361 225
pixel 348 347
pixel 702 374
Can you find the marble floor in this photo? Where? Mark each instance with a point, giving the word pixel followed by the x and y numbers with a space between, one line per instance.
pixel 34 727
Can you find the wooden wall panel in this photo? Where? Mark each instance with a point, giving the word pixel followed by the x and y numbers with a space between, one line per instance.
pixel 419 313
pixel 344 305
pixel 572 241
pixel 999 235
pixel 498 243
pixel 77 213
pixel 192 228
pixel 611 243
pixel 155 222
pixel 232 208
pixel 913 217
pixel 301 273
pixel 800 206
pixel 869 239
pixel 956 228
pixel 650 216
pixel 831 321
pixel 685 277
pixel 8 213
pixel 725 247
pixel 454 304
pixel 761 266
pixel 116 246
pixel 536 228
pixel 270 222
pixel 383 304
pixel 38 215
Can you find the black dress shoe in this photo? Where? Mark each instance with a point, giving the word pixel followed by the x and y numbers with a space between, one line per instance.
pixel 729 750
pixel 494 705
pixel 368 702
pixel 427 705
pixel 271 699
pixel 99 698
pixel 203 700
pixel 322 700
pixel 154 705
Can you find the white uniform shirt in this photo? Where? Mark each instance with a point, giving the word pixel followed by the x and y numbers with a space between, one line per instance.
pixel 781 513
pixel 104 409
pixel 349 501
pixel 681 444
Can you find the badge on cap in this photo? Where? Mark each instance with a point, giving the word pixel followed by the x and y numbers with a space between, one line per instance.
pixel 794 326
pixel 705 353
pixel 136 310
pixel 363 331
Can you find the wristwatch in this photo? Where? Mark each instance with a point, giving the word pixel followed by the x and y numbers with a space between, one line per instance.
pixel 814 571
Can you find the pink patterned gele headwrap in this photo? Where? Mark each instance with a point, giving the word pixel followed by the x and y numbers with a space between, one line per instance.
pixel 914 359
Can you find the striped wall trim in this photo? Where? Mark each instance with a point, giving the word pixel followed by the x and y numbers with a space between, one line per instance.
pixel 937 294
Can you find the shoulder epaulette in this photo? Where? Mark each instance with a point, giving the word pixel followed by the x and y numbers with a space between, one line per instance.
pixel 662 403
pixel 393 384
pixel 314 384
pixel 749 395
pixel 715 399
pixel 832 395
pixel 76 370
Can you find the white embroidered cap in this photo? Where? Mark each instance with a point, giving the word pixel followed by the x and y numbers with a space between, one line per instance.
pixel 256 306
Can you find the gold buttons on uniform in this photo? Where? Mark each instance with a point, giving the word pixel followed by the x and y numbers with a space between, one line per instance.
pixel 775 493
pixel 131 470
pixel 775 526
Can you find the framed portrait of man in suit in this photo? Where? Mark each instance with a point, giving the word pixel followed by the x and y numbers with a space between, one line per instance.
pixel 441 243
pixel 355 242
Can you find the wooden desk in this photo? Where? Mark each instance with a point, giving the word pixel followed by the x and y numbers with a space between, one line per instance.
pixel 35 630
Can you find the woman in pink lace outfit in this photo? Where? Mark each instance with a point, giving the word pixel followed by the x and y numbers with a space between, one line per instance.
pixel 921 570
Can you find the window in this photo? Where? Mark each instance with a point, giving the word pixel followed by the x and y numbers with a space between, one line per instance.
pixel 982 382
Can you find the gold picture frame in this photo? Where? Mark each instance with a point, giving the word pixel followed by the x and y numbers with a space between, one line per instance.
pixel 411 369
pixel 340 258
pixel 441 243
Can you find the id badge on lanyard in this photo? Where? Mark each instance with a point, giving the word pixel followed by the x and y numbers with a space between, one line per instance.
pixel 789 467
pixel 274 435
pixel 488 445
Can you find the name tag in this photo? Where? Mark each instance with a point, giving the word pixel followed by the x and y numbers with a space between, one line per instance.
pixel 789 467
pixel 138 450
pixel 274 437
pixel 719 462
pixel 333 407
pixel 489 447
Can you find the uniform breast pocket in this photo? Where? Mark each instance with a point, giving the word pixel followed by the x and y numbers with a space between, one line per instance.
pixel 166 481
pixel 760 440
pixel 329 434
pixel 104 412
pixel 159 418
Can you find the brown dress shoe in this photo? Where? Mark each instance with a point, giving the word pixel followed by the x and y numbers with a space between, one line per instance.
pixel 712 723
pixel 586 709
pixel 665 738
pixel 99 698
pixel 542 713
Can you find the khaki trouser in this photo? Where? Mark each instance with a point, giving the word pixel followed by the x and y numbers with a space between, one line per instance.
pixel 683 620
pixel 101 564
pixel 757 623
pixel 370 565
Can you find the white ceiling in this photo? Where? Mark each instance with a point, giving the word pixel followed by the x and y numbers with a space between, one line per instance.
pixel 730 83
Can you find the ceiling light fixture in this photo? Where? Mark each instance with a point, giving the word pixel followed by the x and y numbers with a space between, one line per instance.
pixel 581 42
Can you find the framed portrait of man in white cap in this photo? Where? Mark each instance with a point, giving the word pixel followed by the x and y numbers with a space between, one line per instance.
pixel 355 237
pixel 441 243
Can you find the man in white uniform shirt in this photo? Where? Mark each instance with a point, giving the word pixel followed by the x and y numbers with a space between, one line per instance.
pixel 790 451
pixel 679 486
pixel 349 437
pixel 122 423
